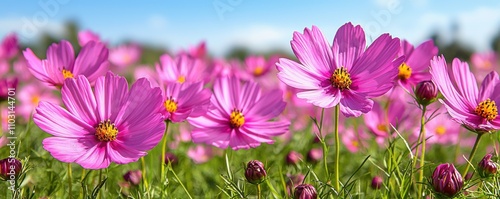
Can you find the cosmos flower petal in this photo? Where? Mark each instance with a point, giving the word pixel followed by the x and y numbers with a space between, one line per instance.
pixel 239 140
pixel 167 69
pixel 92 61
pixel 95 157
pixel 321 98
pixel 61 56
pixel 35 66
pixel 217 136
pixel 144 135
pixel 464 81
pixel 296 75
pixel 419 58
pixel 377 59
pixel 111 92
pixel 312 49
pixel 250 92
pixel 353 104
pixel 59 122
pixel 442 80
pixel 122 154
pixel 269 129
pixel 488 86
pixel 68 149
pixel 349 43
pixel 261 108
pixel 227 91
pixel 78 98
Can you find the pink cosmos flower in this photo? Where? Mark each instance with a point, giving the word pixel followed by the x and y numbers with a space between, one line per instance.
pixel 86 36
pixel 441 130
pixel 475 109
pixel 415 67
pixel 240 116
pixel 125 55
pixel 61 64
pixel 258 65
pixel 344 73
pixel 9 46
pixel 109 124
pixel 185 100
pixel 29 97
pixel 379 120
pixel 353 140
pixel 182 68
pixel 201 153
pixel 483 63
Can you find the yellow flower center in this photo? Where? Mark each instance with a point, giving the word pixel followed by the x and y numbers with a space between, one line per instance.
pixel 440 130
pixel 487 109
pixel 382 127
pixel 341 78
pixel 106 131
pixel 355 143
pixel 35 100
pixel 237 119
pixel 181 79
pixel 67 74
pixel 404 71
pixel 170 105
pixel 258 71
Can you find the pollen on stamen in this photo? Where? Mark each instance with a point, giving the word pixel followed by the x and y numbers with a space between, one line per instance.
pixel 487 109
pixel 181 79
pixel 106 131
pixel 341 78
pixel 67 74
pixel 170 105
pixel 236 119
pixel 404 71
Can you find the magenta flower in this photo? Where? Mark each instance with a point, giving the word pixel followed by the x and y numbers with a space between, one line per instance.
pixel 9 46
pixel 471 107
pixel 109 124
pixel 125 55
pixel 239 116
pixel 29 97
pixel 344 73
pixel 86 36
pixel 185 100
pixel 415 67
pixel 61 64
pixel 182 68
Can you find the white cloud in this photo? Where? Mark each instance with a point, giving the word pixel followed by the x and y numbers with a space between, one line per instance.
pixel 28 29
pixel 478 26
pixel 260 37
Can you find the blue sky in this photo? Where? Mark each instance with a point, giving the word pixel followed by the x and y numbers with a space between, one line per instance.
pixel 258 24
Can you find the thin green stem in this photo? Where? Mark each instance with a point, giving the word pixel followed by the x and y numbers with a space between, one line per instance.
pixel 323 144
pixel 422 153
pixel 70 180
pixel 258 192
pixel 182 185
pixel 144 176
pixel 100 179
pixel 163 151
pixel 479 135
pixel 337 149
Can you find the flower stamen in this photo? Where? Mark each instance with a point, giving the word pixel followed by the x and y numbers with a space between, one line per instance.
pixel 487 109
pixel 106 131
pixel 341 78
pixel 67 74
pixel 236 119
pixel 404 71
pixel 170 105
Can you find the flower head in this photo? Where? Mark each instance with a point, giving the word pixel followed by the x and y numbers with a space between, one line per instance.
pixel 239 116
pixel 293 157
pixel 447 180
pixel 9 47
pixel 474 108
pixel 255 172
pixel 305 191
pixel 109 124
pixel 10 168
pixel 133 177
pixel 487 166
pixel 185 100
pixel 61 63
pixel 86 36
pixel 426 92
pixel 125 55
pixel 180 69
pixel 415 67
pixel 5 85
pixel 344 73
pixel 377 182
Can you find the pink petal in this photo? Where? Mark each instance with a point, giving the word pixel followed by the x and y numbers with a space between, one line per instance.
pixel 348 45
pixel 92 61
pixel 61 56
pixel 321 98
pixel 68 149
pixel 123 154
pixel 250 92
pixel 267 107
pixel 353 104
pixel 266 128
pixel 488 87
pixel 111 93
pixel 313 50
pixel 297 75
pixel 144 135
pixel 465 82
pixel 420 58
pixel 59 122
pixel 78 98
pixel 35 66
pixel 95 158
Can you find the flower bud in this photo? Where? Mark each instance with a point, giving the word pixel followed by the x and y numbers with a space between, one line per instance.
pixel 255 172
pixel 10 168
pixel 447 180
pixel 315 155
pixel 305 191
pixel 487 166
pixel 5 85
pixel 133 177
pixel 377 182
pixel 172 158
pixel 293 157
pixel 426 92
